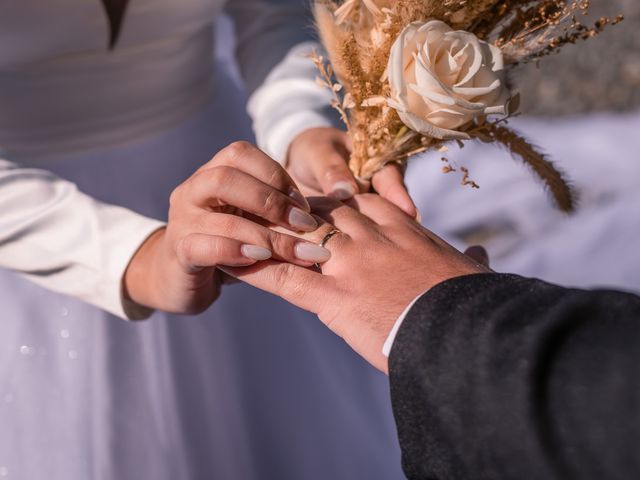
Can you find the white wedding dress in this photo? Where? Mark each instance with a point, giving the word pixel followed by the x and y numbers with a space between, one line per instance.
pixel 251 389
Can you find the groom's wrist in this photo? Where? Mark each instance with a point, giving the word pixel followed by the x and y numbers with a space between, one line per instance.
pixel 386 348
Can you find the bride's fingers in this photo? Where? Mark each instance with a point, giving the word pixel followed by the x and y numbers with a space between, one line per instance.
pixel 389 183
pixel 330 168
pixel 223 185
pixel 303 287
pixel 283 246
pixel 251 160
pixel 198 251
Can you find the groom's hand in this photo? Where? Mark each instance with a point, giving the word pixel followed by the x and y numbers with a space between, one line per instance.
pixel 318 161
pixel 380 262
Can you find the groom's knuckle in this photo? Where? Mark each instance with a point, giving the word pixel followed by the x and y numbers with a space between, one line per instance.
pixel 282 275
pixel 290 285
pixel 298 289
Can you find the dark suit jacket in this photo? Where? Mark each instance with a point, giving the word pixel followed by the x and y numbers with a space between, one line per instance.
pixel 498 376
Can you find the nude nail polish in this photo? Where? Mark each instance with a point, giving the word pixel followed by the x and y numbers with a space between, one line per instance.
pixel 297 197
pixel 342 191
pixel 254 252
pixel 309 252
pixel 301 220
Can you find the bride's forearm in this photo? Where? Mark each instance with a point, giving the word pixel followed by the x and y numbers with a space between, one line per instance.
pixel 140 274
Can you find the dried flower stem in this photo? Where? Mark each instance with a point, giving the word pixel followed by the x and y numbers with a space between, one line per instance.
pixel 552 177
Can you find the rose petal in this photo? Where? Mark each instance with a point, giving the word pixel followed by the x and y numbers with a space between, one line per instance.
pixel 432 95
pixel 426 128
pixel 475 54
pixel 478 91
pixel 446 100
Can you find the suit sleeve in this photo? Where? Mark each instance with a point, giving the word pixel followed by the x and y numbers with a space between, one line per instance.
pixel 66 241
pixel 274 40
pixel 498 376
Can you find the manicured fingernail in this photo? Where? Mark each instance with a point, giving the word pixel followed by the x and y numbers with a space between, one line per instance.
pixel 309 252
pixel 301 220
pixel 418 216
pixel 297 197
pixel 342 191
pixel 255 252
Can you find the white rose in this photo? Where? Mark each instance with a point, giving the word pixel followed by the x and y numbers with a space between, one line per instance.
pixel 442 79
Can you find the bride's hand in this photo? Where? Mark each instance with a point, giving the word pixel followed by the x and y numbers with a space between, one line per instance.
pixel 318 159
pixel 217 217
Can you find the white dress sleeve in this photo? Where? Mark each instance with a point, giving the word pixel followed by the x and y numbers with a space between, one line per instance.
pixel 66 241
pixel 274 39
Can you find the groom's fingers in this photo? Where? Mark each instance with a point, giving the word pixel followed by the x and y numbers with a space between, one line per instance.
pixel 300 286
pixel 380 210
pixel 343 217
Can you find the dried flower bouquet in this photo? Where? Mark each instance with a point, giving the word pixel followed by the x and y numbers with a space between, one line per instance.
pixel 410 75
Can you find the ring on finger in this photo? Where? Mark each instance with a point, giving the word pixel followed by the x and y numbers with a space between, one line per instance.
pixel 326 239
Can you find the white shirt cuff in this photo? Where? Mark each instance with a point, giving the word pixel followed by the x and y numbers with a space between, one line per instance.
pixel 386 348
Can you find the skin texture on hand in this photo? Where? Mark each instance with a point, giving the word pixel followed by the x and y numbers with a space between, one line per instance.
pixel 221 216
pixel 318 161
pixel 381 261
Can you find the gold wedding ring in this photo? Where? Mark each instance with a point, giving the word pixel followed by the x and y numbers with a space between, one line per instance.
pixel 325 240
pixel 328 236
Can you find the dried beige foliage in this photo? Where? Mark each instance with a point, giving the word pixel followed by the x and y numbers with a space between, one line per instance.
pixel 358 36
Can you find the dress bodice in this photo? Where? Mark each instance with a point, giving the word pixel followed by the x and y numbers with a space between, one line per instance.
pixel 62 89
pixel 44 30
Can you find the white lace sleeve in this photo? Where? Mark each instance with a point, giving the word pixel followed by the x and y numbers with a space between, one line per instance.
pixel 274 38
pixel 66 241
